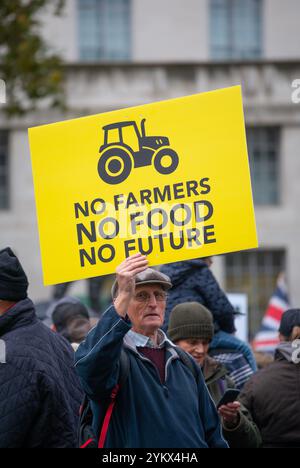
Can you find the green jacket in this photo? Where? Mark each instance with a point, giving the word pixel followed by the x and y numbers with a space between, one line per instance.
pixel 245 434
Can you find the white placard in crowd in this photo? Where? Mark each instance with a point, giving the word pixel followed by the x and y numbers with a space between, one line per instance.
pixel 240 304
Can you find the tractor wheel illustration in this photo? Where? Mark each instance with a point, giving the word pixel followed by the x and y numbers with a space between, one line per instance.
pixel 114 165
pixel 166 161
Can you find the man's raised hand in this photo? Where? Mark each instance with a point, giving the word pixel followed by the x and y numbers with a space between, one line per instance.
pixel 125 276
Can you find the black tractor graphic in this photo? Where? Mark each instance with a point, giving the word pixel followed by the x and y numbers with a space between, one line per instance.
pixel 118 156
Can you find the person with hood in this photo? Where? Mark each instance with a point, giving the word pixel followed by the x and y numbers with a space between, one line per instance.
pixel 193 281
pixel 272 395
pixel 40 394
pixel 191 328
pixel 164 402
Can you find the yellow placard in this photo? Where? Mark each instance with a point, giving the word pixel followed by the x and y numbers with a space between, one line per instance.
pixel 168 179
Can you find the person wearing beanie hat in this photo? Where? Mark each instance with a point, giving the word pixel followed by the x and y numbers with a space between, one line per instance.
pixel 13 280
pixel 272 395
pixel 164 401
pixel 38 382
pixel 191 321
pixel 191 328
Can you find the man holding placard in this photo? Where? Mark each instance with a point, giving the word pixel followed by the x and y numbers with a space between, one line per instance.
pixel 164 401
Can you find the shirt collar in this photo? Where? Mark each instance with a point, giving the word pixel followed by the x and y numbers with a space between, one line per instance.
pixel 144 341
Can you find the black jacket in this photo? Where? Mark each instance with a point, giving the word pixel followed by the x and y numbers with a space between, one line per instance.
pixel 272 396
pixel 246 433
pixel 39 391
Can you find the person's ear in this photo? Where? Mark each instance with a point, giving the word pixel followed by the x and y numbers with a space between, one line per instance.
pixel 281 337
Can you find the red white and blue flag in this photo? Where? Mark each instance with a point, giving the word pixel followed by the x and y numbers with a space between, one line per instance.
pixel 267 339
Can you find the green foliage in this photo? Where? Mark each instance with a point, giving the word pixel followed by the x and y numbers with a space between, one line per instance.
pixel 31 72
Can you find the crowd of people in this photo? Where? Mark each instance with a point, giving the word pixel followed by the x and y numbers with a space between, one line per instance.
pixel 162 367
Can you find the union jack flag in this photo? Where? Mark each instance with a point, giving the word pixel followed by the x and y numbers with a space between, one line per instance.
pixel 266 339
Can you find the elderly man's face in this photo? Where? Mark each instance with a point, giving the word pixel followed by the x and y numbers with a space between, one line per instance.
pixel 147 309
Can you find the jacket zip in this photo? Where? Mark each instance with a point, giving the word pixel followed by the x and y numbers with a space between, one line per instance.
pixel 171 358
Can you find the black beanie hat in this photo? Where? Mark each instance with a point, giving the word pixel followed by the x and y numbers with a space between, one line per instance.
pixel 13 280
pixel 190 320
pixel 289 320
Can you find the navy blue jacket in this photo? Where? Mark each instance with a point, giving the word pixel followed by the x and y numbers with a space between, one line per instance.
pixel 148 414
pixel 194 282
pixel 40 393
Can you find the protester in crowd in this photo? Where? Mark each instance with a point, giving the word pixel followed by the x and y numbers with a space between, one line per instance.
pixel 193 281
pixel 272 395
pixel 70 318
pixel 163 403
pixel 191 327
pixel 40 393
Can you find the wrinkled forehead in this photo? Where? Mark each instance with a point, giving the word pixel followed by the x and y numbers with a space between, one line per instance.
pixel 152 287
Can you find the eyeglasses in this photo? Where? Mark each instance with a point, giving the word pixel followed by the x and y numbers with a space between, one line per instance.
pixel 145 297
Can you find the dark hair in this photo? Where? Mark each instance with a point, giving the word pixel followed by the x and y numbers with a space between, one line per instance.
pixel 290 324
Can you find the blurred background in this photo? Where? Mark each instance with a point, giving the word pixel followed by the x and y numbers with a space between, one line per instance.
pixel 110 54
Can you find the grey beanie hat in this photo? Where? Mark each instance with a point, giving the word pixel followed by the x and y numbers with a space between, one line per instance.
pixel 149 276
pixel 190 320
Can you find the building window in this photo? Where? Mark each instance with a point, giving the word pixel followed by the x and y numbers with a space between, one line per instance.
pixel 4 171
pixel 235 29
pixel 104 29
pixel 263 149
pixel 254 273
